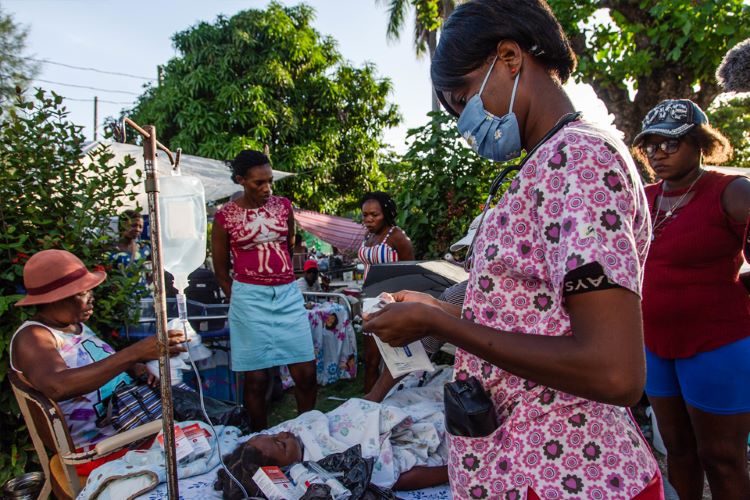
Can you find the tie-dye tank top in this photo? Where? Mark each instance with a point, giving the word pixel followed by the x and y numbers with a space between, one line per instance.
pixel 82 412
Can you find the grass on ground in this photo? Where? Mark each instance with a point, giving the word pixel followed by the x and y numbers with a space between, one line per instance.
pixel 286 407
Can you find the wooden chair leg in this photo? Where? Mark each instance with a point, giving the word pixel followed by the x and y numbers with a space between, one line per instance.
pixel 46 489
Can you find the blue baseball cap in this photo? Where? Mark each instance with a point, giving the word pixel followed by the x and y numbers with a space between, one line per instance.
pixel 671 118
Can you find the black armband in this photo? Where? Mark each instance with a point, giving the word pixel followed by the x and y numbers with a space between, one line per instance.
pixel 587 278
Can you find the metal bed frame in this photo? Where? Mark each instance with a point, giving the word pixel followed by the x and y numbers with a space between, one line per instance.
pixel 210 336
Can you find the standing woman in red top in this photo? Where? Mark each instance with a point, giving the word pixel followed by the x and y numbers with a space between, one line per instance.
pixel 696 312
pixel 385 242
pixel 267 319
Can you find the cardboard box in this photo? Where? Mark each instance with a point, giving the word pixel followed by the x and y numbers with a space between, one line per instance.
pixel 274 484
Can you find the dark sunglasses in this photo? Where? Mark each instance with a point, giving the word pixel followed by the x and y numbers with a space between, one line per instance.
pixel 670 146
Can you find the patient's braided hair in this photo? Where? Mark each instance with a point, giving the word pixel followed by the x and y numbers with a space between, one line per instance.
pixel 387 205
pixel 243 463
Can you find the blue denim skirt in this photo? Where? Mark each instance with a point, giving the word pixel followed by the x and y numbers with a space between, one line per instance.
pixel 268 326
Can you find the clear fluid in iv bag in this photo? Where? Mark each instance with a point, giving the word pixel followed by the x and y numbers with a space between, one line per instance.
pixel 182 217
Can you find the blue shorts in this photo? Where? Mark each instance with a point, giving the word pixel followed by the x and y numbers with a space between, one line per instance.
pixel 716 381
pixel 268 326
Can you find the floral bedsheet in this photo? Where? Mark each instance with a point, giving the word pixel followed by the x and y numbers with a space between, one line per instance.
pixel 334 342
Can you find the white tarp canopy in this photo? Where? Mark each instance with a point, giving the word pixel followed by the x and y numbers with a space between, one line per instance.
pixel 214 174
pixel 731 170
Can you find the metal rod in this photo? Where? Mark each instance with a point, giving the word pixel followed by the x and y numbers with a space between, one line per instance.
pixel 96 116
pixel 160 306
pixel 190 318
pixel 146 135
pixel 335 295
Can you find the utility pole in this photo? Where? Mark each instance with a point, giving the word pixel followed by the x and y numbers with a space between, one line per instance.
pixel 96 116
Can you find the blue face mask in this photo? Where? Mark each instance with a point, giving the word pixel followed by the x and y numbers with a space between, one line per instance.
pixel 490 136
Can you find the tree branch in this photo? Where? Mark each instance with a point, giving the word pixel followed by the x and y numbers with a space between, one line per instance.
pixel 630 10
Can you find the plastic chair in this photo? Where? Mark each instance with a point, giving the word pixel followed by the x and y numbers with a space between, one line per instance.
pixel 49 433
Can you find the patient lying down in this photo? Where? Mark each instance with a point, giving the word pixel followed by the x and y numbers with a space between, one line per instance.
pixel 405 434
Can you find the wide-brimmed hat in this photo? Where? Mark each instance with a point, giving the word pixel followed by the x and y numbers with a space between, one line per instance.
pixel 671 118
pixel 469 236
pixel 52 275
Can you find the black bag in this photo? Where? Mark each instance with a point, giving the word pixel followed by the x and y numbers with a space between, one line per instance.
pixel 357 472
pixel 469 411
pixel 203 287
pixel 187 406
pixel 317 492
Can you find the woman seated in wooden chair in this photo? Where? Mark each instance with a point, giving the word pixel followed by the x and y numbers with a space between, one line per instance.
pixel 60 356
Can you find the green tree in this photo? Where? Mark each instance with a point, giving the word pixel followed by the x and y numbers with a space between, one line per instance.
pixel 439 186
pixel 635 53
pixel 52 198
pixel 266 77
pixel 732 117
pixel 428 18
pixel 15 69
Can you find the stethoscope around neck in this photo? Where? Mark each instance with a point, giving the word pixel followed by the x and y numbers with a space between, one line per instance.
pixel 500 179
pixel 494 188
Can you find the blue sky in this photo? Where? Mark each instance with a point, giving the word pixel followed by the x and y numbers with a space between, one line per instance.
pixel 133 37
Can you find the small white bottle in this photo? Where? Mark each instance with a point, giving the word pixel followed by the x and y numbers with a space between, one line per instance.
pixel 303 478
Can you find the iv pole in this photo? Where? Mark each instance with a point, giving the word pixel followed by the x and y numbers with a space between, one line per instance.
pixel 150 146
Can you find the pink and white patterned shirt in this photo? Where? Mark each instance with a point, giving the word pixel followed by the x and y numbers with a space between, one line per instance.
pixel 577 200
pixel 258 241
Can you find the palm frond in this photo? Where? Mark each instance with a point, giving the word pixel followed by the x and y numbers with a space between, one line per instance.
pixel 397 13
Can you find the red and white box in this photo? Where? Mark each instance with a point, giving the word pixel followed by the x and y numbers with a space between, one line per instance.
pixel 198 437
pixel 274 484
pixel 182 445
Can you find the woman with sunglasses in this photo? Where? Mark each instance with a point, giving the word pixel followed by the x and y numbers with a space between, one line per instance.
pixel 696 311
pixel 551 326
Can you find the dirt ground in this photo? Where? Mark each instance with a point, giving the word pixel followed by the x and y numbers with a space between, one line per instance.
pixel 670 494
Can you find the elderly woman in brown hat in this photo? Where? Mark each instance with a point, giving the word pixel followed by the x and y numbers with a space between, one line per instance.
pixel 59 355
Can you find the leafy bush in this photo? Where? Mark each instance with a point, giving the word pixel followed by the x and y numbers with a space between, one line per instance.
pixel 732 118
pixel 267 77
pixel 439 186
pixel 52 198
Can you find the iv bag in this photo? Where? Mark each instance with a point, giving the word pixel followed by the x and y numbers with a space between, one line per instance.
pixel 182 219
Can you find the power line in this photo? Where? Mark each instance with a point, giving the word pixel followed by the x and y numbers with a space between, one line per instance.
pixel 88 88
pixel 76 99
pixel 83 68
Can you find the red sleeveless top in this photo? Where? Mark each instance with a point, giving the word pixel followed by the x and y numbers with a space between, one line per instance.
pixel 693 300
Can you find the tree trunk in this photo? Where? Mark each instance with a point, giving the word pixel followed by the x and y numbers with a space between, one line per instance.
pixel 431 46
pixel 652 89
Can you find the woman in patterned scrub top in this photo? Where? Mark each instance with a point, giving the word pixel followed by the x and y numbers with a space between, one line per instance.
pixel 267 318
pixel 551 325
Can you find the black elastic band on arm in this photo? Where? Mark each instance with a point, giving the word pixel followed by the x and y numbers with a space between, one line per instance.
pixel 587 278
